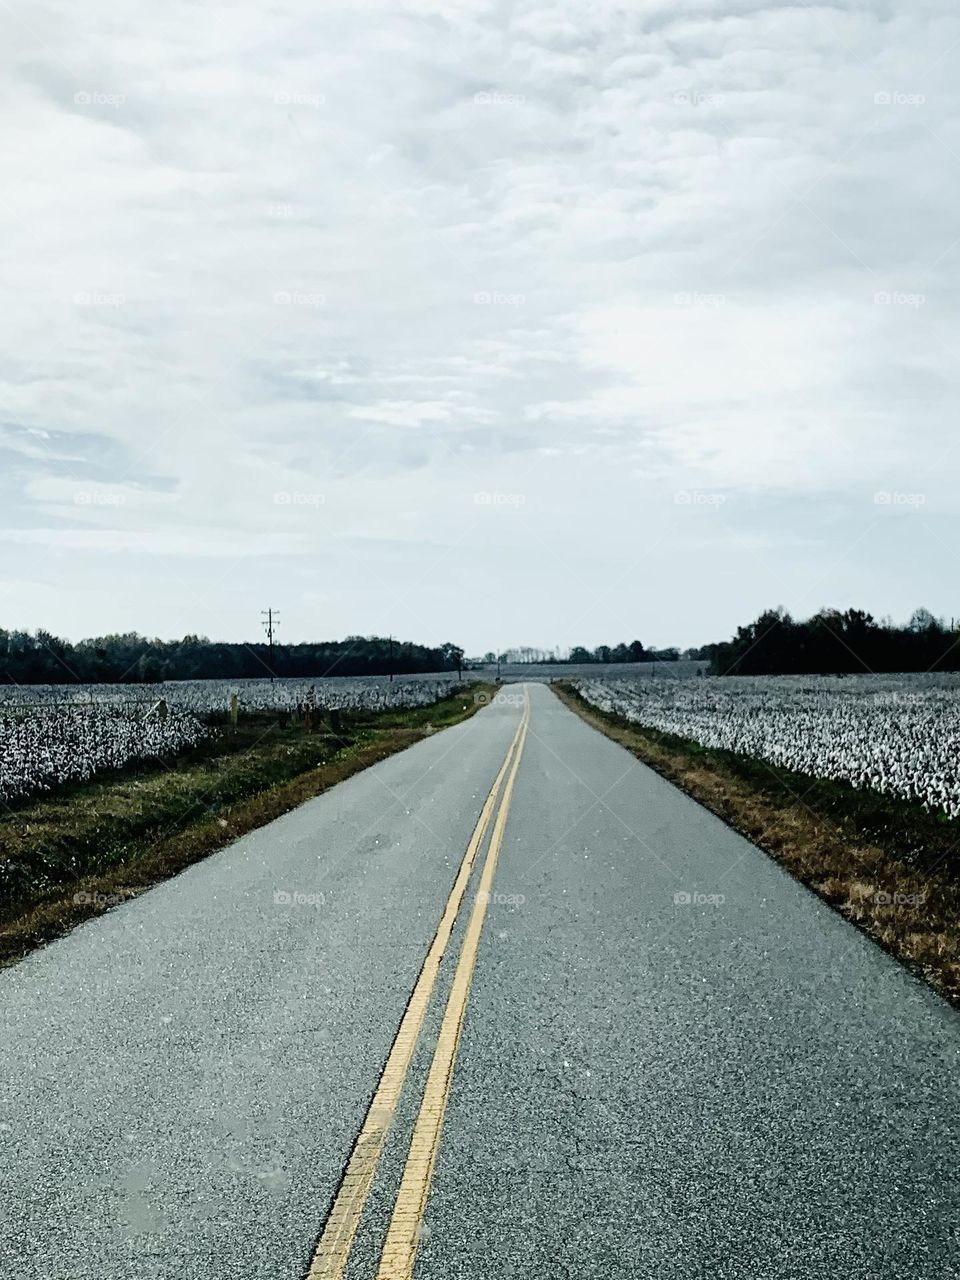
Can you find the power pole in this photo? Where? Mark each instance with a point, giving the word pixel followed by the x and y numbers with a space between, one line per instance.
pixel 271 620
pixel 390 642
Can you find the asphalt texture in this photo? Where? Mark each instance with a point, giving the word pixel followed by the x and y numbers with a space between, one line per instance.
pixel 675 1062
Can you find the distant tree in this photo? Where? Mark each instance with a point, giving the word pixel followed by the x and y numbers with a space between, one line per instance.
pixel 44 658
pixel 848 642
pixel 923 620
pixel 452 657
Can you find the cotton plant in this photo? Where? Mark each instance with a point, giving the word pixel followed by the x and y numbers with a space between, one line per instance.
pixel 899 735
pixel 55 735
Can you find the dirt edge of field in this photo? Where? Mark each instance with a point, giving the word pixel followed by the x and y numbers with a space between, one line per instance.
pixel 180 847
pixel 915 916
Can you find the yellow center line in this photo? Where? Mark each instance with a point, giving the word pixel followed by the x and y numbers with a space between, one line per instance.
pixel 343 1219
pixel 400 1248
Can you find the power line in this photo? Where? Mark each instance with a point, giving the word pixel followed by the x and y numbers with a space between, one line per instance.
pixel 271 620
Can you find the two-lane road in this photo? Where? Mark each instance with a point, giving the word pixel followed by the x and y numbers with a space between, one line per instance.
pixel 505 1004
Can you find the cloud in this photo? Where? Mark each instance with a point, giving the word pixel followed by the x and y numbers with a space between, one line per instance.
pixel 393 254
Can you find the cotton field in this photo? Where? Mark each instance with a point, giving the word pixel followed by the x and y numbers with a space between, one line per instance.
pixel 362 693
pixel 366 693
pixel 51 735
pixel 45 746
pixel 896 734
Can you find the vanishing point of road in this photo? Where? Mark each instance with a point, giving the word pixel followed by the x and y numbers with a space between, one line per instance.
pixel 506 1004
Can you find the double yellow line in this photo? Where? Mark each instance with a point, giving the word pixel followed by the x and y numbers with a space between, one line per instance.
pixel 400 1249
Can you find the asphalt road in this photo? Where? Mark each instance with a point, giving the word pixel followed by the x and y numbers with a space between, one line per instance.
pixel 674 1062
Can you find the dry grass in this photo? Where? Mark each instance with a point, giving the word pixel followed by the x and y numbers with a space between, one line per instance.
pixel 910 904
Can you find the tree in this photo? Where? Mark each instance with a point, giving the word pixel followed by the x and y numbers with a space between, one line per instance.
pixel 923 620
pixel 452 657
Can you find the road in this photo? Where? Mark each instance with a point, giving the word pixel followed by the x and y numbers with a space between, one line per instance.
pixel 645 1052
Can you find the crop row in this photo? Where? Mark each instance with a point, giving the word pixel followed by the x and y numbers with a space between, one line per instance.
pixel 202 697
pixel 896 734
pixel 54 735
pixel 49 746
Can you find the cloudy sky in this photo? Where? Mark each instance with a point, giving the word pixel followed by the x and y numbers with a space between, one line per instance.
pixel 499 323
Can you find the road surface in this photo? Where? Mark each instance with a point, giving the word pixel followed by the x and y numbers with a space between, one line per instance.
pixel 637 1048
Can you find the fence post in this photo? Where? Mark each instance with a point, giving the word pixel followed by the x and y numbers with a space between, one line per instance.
pixel 234 709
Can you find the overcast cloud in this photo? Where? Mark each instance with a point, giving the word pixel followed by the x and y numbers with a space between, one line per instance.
pixel 493 323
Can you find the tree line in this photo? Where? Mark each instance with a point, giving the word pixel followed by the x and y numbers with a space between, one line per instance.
pixel 775 644
pixel 42 658
pixel 849 642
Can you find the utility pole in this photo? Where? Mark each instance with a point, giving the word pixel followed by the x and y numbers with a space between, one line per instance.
pixel 271 620
pixel 390 642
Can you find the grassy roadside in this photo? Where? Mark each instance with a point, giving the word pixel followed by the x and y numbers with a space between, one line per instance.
pixel 890 867
pixel 73 855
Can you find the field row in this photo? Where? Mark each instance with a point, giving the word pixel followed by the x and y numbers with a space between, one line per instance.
pixel 895 734
pixel 55 735
pixel 203 697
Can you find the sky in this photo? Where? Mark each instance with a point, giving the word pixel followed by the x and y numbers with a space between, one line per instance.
pixel 502 324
